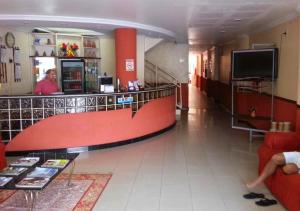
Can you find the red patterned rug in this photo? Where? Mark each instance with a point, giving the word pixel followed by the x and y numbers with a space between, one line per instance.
pixel 82 194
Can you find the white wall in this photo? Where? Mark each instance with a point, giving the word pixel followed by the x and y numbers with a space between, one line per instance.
pixel 151 42
pixel 140 58
pixel 171 57
pixel 108 56
pixel 242 42
pixel 25 86
pixel 287 82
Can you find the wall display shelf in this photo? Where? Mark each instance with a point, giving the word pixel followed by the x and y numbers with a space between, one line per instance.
pixel 42 56
pixel 51 45
pixel 69 45
pixel 66 57
pixel 57 47
pixel 91 52
pixel 78 57
pixel 44 44
pixel 90 46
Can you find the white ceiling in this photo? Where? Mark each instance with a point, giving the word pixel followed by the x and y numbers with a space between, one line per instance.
pixel 201 22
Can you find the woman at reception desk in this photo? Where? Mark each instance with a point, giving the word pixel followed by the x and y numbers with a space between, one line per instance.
pixel 85 121
pixel 48 85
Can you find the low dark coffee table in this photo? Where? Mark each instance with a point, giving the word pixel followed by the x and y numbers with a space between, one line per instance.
pixel 32 193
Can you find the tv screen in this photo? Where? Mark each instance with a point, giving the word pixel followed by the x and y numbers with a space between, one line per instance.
pixel 254 64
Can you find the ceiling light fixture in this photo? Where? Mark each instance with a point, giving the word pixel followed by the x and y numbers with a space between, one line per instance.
pixel 237 19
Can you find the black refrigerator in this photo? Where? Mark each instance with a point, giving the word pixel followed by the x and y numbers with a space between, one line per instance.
pixel 72 76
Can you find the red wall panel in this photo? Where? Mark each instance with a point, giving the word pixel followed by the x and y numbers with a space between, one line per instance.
pixel 297 116
pixel 185 95
pixel 284 110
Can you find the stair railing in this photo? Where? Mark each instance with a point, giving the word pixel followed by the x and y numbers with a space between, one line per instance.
pixel 168 78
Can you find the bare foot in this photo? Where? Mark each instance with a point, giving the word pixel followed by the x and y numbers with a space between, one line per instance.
pixel 252 185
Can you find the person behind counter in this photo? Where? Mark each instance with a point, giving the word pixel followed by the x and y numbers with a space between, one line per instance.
pixel 48 85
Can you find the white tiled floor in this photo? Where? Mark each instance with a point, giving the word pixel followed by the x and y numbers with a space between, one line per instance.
pixel 201 164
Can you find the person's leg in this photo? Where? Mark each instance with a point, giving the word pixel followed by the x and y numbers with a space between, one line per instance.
pixel 272 164
pixel 290 168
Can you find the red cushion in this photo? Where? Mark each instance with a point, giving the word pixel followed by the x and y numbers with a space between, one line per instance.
pixel 2 156
pixel 286 188
pixel 265 154
pixel 283 141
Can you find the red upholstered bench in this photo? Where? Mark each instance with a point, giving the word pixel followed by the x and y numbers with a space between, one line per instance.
pixel 286 188
pixel 2 155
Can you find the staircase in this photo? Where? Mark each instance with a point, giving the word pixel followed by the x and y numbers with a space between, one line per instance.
pixel 155 77
pixel 151 43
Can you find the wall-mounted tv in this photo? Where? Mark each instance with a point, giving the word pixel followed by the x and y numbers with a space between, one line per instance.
pixel 248 64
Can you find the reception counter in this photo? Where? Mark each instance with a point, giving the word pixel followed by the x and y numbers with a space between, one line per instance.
pixel 30 123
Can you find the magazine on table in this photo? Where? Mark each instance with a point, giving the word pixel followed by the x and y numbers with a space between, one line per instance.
pixel 42 172
pixel 26 161
pixel 57 163
pixel 12 171
pixel 32 182
pixel 4 180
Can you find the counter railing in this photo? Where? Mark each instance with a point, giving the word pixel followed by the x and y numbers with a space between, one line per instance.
pixel 20 112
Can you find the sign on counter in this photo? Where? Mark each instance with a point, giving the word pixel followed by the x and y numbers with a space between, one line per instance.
pixel 124 100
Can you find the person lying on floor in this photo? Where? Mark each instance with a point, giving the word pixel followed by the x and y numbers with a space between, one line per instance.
pixel 289 161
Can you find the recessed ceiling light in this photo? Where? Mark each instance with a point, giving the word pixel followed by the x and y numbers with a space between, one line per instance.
pixel 223 31
pixel 237 19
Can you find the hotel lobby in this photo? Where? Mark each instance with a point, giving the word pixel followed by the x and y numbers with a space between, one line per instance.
pixel 158 108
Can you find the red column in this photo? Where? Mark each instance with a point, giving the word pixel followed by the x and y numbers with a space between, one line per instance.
pixel 125 44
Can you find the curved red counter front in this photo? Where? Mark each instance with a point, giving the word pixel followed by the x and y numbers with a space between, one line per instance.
pixel 71 130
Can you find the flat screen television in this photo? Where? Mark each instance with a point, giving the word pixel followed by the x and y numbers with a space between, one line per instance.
pixel 254 64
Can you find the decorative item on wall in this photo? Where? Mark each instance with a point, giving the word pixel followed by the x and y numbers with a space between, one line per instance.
pixel 36 41
pixel 17 64
pixel 3 61
pixel 10 40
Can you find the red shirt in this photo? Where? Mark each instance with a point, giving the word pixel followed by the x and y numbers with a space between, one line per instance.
pixel 45 87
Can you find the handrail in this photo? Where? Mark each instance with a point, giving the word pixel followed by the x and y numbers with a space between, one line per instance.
pixel 156 69
pixel 161 70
